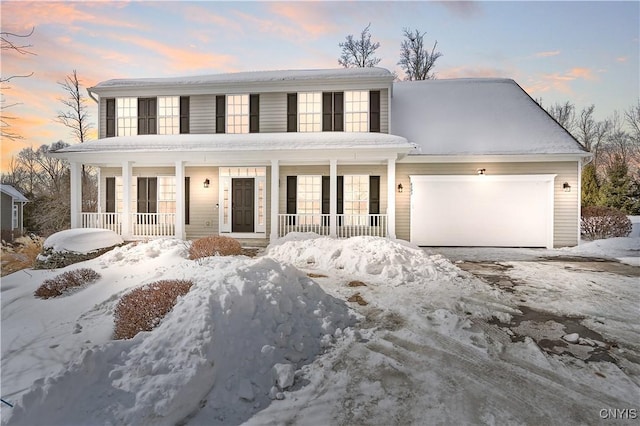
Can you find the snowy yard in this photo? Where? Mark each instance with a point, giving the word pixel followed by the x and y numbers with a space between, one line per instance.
pixel 493 336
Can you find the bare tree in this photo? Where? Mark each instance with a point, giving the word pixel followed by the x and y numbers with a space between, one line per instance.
pixel 359 53
pixel 632 116
pixel 564 114
pixel 75 117
pixel 591 133
pixel 417 62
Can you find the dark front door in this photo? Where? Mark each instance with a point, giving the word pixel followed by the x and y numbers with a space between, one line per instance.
pixel 242 205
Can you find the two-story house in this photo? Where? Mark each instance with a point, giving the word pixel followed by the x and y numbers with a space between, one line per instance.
pixel 340 152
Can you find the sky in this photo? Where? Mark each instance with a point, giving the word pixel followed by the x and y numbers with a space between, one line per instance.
pixel 582 52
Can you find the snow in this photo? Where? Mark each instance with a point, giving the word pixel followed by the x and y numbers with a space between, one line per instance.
pixel 257 341
pixel 249 142
pixel 625 249
pixel 475 116
pixel 13 193
pixel 82 240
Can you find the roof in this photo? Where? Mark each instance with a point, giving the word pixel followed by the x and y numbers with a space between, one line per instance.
pixel 251 77
pixel 14 193
pixel 476 117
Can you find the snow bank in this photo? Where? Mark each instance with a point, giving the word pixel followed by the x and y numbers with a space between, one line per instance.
pixel 82 240
pixel 391 261
pixel 242 318
pixel 625 249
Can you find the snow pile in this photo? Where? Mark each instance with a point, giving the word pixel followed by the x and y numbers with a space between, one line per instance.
pixel 241 331
pixel 82 240
pixel 393 262
pixel 625 249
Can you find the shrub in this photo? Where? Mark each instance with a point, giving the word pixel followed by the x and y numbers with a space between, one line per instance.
pixel 214 246
pixel 66 282
pixel 603 222
pixel 21 254
pixel 143 308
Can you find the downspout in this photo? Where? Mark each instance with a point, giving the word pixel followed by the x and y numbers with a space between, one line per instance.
pixel 91 96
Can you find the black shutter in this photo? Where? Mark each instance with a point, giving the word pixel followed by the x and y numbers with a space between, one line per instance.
pixel 338 110
pixel 374 111
pixel 374 198
pixel 143 196
pixel 184 114
pixel 111 117
pixel 292 112
pixel 326 194
pixel 111 195
pixel 153 195
pixel 340 200
pixel 254 113
pixel 147 116
pixel 220 114
pixel 187 198
pixel 327 111
pixel 292 197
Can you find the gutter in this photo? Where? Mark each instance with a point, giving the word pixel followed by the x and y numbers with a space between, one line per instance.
pixel 91 95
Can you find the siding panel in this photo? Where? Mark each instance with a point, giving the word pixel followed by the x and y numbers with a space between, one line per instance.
pixel 202 117
pixel 384 111
pixel 273 112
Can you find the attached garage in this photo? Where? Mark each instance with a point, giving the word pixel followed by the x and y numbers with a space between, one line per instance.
pixel 482 210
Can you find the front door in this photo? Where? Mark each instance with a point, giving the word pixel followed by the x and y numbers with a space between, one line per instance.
pixel 242 205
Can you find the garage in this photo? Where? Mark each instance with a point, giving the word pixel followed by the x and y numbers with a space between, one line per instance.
pixel 482 210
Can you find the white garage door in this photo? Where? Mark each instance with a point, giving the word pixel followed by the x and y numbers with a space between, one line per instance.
pixel 494 211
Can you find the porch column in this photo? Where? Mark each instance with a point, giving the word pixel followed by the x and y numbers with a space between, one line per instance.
pixel 179 226
pixel 333 198
pixel 127 170
pixel 275 198
pixel 391 198
pixel 76 195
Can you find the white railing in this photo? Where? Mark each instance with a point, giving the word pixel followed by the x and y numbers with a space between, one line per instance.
pixel 112 221
pixel 347 225
pixel 153 224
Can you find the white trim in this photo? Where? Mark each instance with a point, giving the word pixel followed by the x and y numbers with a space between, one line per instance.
pixel 180 200
pixel 391 197
pixel 333 198
pixel 257 179
pixel 275 197
pixel 241 235
pixel 492 158
pixel 76 194
pixel 579 197
pixel 127 168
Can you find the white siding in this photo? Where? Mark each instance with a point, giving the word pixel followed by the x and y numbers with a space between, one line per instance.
pixel 102 118
pixel 202 114
pixel 384 111
pixel 273 112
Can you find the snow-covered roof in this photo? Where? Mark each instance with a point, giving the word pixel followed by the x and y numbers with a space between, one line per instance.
pixel 251 77
pixel 476 117
pixel 14 193
pixel 243 142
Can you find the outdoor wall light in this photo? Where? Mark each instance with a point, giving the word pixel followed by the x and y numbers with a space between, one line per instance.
pixel 206 183
pixel 566 187
pixel 400 188
pixel 481 172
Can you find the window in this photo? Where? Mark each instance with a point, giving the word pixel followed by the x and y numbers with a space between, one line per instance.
pixel 332 112
pixel 168 115
pixel 309 199
pixel 14 222
pixel 147 195
pixel 356 199
pixel 356 106
pixel 166 194
pixel 310 112
pixel 238 114
pixel 127 116
pixel 147 114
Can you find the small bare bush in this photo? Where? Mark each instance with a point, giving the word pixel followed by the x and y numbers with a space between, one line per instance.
pixel 357 298
pixel 66 282
pixel 21 254
pixel 214 246
pixel 143 308
pixel 603 222
pixel 356 283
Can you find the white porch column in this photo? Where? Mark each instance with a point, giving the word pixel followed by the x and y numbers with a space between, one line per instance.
pixel 76 194
pixel 127 170
pixel 180 228
pixel 333 198
pixel 275 198
pixel 391 198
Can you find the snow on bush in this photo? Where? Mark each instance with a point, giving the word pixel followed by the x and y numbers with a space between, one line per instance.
pixel 599 222
pixel 143 308
pixel 221 341
pixel 392 261
pixel 82 240
pixel 66 282
pixel 214 246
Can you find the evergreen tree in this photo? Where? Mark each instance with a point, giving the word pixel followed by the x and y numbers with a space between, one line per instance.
pixel 618 191
pixel 590 186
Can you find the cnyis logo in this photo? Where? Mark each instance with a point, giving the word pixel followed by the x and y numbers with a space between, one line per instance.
pixel 618 413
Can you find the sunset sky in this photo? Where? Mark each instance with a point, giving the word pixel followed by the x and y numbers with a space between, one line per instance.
pixel 583 52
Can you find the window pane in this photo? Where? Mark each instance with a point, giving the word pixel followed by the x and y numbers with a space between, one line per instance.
pixel 127 116
pixel 357 111
pixel 309 111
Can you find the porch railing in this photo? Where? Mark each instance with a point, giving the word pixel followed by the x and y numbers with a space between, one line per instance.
pixel 153 224
pixel 112 221
pixel 374 225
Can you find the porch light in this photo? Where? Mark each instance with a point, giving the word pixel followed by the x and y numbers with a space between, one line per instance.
pixel 400 188
pixel 566 187
pixel 206 183
pixel 481 172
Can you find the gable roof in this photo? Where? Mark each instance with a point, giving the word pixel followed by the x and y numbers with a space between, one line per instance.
pixel 13 193
pixel 476 117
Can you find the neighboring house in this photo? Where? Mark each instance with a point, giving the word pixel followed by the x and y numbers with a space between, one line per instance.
pixel 338 152
pixel 12 211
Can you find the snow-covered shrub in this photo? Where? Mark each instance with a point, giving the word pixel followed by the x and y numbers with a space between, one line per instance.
pixel 143 308
pixel 214 246
pixel 21 254
pixel 599 222
pixel 66 282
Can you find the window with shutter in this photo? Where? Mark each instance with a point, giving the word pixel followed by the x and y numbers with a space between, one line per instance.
pixel 111 117
pixel 147 111
pixel 147 201
pixel 111 195
pixel 254 113
pixel 187 199
pixel 292 193
pixel 184 114
pixel 220 113
pixel 292 112
pixel 374 199
pixel 374 111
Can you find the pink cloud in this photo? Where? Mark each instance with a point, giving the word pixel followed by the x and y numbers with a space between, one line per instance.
pixel 622 59
pixel 560 82
pixel 474 72
pixel 547 54
pixel 306 16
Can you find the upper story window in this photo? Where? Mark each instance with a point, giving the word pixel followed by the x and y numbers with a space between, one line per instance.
pixel 238 114
pixel 127 116
pixel 309 112
pixel 168 115
pixel 356 107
